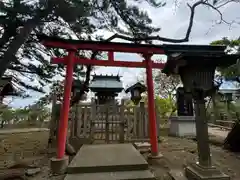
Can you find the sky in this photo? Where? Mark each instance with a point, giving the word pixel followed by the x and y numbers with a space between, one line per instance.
pixel 173 20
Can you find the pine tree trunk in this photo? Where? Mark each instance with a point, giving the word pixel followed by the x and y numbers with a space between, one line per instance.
pixel 23 35
pixel 15 45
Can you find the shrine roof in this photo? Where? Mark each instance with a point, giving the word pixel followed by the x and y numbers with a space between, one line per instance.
pixel 125 47
pixel 106 82
pixel 106 77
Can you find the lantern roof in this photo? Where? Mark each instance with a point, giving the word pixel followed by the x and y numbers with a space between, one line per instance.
pixel 183 48
pixel 138 85
pixel 216 57
pixel 106 83
pixel 6 87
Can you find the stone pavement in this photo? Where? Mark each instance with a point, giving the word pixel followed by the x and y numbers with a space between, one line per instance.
pixel 109 162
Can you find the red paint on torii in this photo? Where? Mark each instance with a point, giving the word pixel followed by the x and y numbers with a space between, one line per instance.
pixel 109 62
pixel 101 45
pixel 73 45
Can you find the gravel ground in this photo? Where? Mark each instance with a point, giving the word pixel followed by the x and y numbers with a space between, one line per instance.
pixel 177 152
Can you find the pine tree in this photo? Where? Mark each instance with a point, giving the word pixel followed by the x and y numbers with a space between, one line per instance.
pixel 22 57
pixel 68 19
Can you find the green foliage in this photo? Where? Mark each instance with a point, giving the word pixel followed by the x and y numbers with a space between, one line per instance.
pixel 165 106
pixel 32 115
pixel 234 43
pixel 6 114
pixel 232 72
pixel 234 107
pixel 222 107
pixel 129 103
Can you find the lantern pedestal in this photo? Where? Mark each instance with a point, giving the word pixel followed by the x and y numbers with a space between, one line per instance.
pixel 203 169
pixel 198 172
pixel 204 156
pixel 182 126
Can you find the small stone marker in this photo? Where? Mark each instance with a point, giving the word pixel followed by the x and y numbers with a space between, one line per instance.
pixel 143 147
pixel 32 172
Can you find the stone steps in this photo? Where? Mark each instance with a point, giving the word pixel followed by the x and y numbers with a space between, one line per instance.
pixel 110 168
pixel 124 175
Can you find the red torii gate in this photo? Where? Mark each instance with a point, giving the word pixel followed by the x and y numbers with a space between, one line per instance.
pixel 73 45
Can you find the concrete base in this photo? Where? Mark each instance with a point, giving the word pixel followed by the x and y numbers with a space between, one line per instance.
pixel 155 156
pixel 182 126
pixel 59 166
pixel 197 172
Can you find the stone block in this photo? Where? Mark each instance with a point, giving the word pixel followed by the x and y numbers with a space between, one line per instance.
pixel 59 166
pixel 182 126
pixel 155 156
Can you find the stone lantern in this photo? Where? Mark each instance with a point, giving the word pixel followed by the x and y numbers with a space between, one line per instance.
pixel 196 66
pixel 136 90
pixel 7 88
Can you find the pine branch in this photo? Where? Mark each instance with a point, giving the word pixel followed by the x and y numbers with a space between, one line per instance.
pixel 189 29
pixel 85 86
pixel 22 36
pixel 139 32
